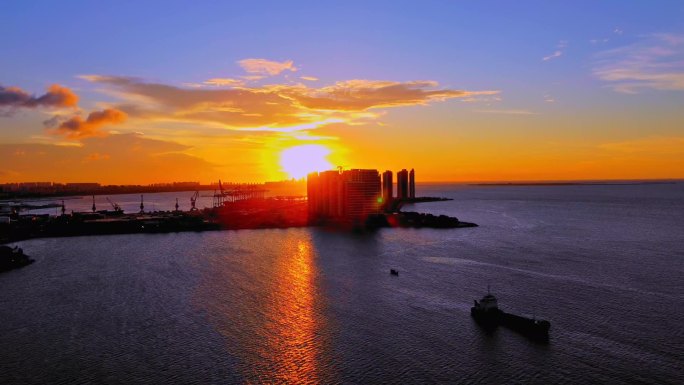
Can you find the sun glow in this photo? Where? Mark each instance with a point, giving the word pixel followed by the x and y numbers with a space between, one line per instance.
pixel 298 161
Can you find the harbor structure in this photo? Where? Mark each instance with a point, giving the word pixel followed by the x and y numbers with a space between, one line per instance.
pixel 234 192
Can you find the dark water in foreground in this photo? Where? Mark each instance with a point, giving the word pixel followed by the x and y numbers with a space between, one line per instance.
pixel 603 263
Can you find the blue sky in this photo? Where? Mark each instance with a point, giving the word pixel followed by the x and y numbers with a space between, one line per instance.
pixel 460 42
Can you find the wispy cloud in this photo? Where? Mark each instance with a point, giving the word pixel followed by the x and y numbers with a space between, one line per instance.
pixel 558 52
pixel 508 112
pixel 222 82
pixel 655 61
pixel 599 41
pixel 266 67
pixel 555 54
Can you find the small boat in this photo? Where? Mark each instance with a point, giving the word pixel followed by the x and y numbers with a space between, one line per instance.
pixel 394 272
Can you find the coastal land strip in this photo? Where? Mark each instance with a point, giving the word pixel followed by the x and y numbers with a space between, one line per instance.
pixel 248 214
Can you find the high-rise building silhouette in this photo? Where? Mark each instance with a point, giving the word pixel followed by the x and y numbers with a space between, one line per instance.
pixel 362 196
pixel 350 195
pixel 387 186
pixel 402 184
pixel 412 184
pixel 325 192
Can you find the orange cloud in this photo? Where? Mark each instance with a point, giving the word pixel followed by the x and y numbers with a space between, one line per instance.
pixel 224 82
pixel 266 67
pixel 275 106
pixel 56 96
pixel 359 95
pixel 76 127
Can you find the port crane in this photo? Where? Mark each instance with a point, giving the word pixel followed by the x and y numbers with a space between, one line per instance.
pixel 237 192
pixel 115 206
pixel 193 201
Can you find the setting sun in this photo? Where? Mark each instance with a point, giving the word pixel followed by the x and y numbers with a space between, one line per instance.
pixel 300 160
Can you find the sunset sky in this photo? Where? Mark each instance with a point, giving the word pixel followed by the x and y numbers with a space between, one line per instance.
pixel 145 92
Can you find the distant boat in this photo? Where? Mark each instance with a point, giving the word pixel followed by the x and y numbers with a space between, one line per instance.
pixel 487 313
pixel 394 272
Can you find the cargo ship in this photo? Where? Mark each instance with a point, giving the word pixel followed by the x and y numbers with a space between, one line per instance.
pixel 486 312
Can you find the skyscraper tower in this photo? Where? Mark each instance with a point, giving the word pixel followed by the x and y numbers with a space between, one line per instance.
pixel 361 194
pixel 402 184
pixel 387 186
pixel 412 184
pixel 350 195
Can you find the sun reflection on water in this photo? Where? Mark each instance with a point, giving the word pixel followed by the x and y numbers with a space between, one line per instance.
pixel 264 300
pixel 293 322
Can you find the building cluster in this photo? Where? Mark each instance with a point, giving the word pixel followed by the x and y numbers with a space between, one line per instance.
pixel 406 184
pixel 188 185
pixel 353 195
pixel 47 187
pixel 27 189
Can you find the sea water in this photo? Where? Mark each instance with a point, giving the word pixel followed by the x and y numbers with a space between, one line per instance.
pixel 603 263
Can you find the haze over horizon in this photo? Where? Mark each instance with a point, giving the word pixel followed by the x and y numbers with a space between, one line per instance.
pixel 130 93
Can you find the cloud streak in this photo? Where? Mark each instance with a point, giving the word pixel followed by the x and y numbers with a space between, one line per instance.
pixel 223 82
pixel 555 54
pixel 266 67
pixel 558 52
pixel 654 61
pixel 508 112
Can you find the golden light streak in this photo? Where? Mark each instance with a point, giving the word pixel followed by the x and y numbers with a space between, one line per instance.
pixel 292 344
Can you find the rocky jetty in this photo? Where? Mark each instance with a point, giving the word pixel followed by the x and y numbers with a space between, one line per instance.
pixel 13 258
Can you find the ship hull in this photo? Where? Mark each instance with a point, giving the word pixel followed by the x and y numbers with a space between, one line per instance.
pixel 529 327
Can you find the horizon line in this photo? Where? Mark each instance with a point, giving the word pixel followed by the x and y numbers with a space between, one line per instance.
pixel 437 181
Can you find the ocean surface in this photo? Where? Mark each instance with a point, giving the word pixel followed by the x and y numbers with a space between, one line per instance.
pixel 603 263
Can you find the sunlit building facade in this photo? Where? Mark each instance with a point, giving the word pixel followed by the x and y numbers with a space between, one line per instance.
pixel 324 192
pixel 350 195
